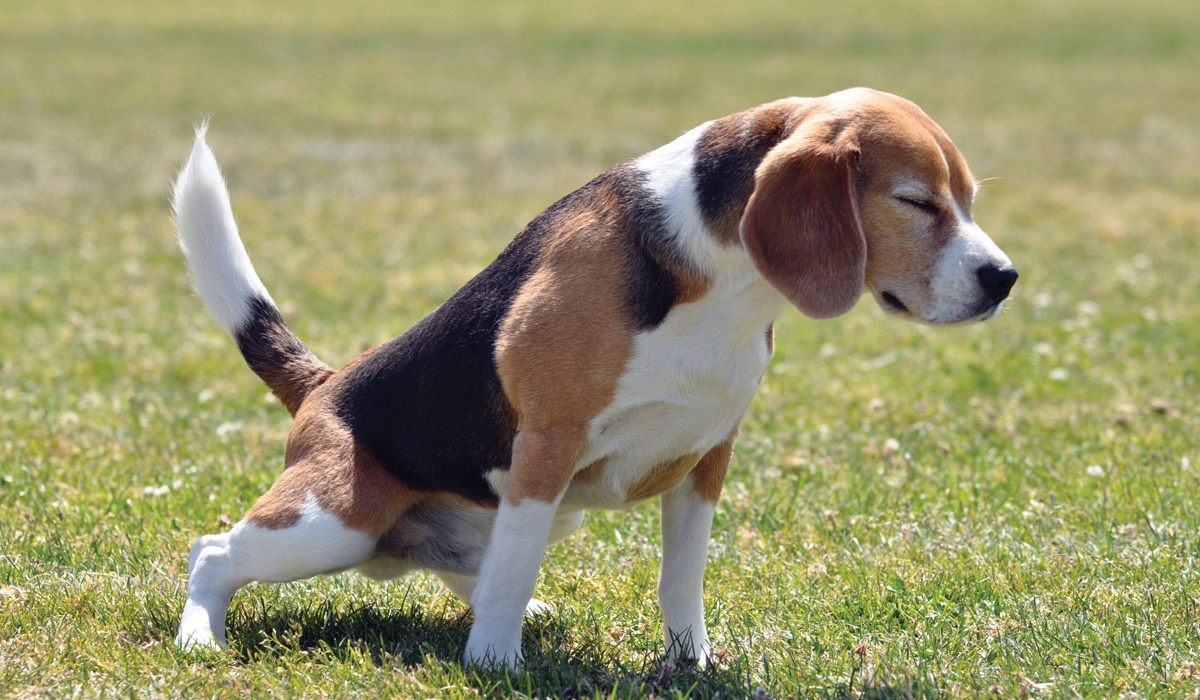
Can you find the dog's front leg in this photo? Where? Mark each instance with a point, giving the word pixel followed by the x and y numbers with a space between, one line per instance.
pixel 541 469
pixel 687 513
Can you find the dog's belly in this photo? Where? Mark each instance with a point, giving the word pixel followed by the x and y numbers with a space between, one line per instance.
pixel 448 535
pixel 443 533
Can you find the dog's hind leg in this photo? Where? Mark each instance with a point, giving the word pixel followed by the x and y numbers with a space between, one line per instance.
pixel 314 542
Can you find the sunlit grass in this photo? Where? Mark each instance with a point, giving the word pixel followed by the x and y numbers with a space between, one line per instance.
pixel 1001 509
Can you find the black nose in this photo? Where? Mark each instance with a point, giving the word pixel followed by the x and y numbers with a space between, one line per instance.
pixel 996 281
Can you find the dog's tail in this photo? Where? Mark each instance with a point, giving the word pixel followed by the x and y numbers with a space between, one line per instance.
pixel 226 281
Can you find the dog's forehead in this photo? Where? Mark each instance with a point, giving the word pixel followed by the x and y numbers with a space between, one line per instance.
pixel 900 141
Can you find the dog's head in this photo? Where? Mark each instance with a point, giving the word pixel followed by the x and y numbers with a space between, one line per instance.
pixel 867 191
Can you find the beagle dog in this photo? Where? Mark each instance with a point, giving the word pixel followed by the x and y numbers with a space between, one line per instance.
pixel 606 357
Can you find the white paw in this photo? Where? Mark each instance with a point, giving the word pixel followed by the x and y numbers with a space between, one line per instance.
pixel 489 657
pixel 535 607
pixel 196 628
pixel 198 640
pixel 701 660
pixel 684 650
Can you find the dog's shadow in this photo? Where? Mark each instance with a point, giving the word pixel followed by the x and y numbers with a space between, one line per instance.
pixel 404 634
pixel 559 661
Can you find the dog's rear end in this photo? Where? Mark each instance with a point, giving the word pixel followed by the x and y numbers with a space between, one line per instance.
pixel 334 506
pixel 227 282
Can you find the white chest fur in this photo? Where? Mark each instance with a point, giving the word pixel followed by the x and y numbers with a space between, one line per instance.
pixel 687 385
pixel 689 380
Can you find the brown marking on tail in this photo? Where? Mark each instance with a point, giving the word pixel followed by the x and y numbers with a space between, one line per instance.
pixel 278 357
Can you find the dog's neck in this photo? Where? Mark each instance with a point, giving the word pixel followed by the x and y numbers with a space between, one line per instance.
pixel 670 174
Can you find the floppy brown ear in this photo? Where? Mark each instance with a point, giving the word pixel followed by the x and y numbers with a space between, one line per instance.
pixel 802 229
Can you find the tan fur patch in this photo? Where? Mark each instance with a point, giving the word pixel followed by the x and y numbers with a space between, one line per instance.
pixel 690 286
pixel 563 346
pixel 543 462
pixel 591 473
pixel 279 507
pixel 662 478
pixel 323 459
pixel 709 475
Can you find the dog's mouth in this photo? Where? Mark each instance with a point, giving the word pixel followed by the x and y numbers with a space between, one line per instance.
pixel 982 311
pixel 891 300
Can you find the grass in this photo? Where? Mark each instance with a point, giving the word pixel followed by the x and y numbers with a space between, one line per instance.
pixel 1001 510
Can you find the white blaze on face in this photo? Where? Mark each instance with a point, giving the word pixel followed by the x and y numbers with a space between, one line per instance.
pixel 957 293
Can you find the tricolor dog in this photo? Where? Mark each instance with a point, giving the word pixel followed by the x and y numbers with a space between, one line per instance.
pixel 605 358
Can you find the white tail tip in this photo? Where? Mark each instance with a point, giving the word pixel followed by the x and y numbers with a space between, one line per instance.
pixel 221 270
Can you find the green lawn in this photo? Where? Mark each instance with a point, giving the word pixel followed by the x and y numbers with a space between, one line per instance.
pixel 997 510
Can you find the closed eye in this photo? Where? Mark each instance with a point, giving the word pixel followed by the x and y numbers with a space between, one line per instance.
pixel 924 205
